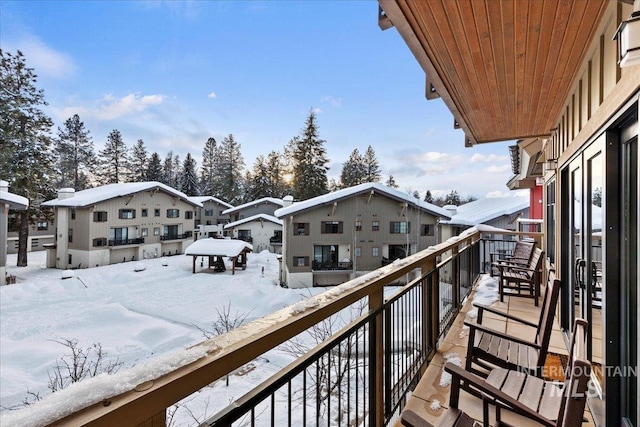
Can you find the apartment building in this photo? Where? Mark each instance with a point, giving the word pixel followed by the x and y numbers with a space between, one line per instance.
pixel 41 233
pixel 209 220
pixel 332 238
pixel 119 222
pixel 7 201
pixel 263 231
pixel 265 205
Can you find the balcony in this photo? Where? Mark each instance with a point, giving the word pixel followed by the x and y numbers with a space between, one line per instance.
pixel 275 240
pixel 332 265
pixel 247 239
pixel 166 237
pixel 123 242
pixel 363 374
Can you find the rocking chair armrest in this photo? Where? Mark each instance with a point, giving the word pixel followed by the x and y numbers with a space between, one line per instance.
pixel 517 268
pixel 490 392
pixel 473 326
pixel 483 307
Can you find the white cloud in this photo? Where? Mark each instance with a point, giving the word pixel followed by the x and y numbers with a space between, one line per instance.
pixel 111 107
pixel 488 158
pixel 432 156
pixel 331 100
pixel 498 168
pixel 316 110
pixel 43 59
pixel 212 95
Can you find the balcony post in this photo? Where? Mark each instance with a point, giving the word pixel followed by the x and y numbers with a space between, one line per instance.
pixel 376 357
pixel 429 327
pixel 455 275
pixel 158 420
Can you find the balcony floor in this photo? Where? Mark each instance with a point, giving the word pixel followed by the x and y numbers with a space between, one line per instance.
pixel 429 390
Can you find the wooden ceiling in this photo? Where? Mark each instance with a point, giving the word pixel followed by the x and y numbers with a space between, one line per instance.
pixel 503 67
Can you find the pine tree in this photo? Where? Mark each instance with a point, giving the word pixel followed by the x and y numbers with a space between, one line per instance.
pixel 177 172
pixel 309 162
pixel 452 198
pixel 154 169
pixel 75 155
pixel 353 170
pixel 230 170
pixel 258 184
pixel 25 142
pixel 139 162
pixel 276 171
pixel 391 182
pixel 114 159
pixel 167 170
pixel 428 197
pixel 372 170
pixel 208 184
pixel 189 176
pixel 416 194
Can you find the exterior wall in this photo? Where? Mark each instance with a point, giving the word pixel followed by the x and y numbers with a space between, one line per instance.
pixel 216 217
pixel 37 238
pixel 363 208
pixel 4 213
pixel 264 207
pixel 261 232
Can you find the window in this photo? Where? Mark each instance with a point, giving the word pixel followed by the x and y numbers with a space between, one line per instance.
pixel 127 213
pixel 399 227
pixel 43 225
pixel 375 225
pixel 358 225
pixel 156 231
pixel 208 212
pixel 145 232
pixel 118 235
pixel 71 235
pixel 300 261
pixel 358 251
pixel 70 259
pixel 100 241
pixel 145 212
pixel 244 235
pixel 156 212
pixel 427 230
pixel 73 213
pixel 375 251
pixel 100 216
pixel 173 213
pixel 301 228
pixel 34 243
pixel 331 227
pixel 188 215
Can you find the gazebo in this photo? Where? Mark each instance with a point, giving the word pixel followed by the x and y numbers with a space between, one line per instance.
pixel 216 249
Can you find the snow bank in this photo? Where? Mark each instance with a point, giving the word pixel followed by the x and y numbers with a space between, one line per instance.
pixel 445 378
pixel 486 294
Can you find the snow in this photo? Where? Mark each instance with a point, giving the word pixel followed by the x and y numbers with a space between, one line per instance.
pixel 445 378
pixel 487 209
pixel 486 294
pixel 202 199
pixel 258 217
pixel 221 247
pixel 435 405
pixel 149 320
pixel 13 200
pixel 257 202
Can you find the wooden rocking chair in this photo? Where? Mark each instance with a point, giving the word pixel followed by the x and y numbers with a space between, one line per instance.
pixel 521 255
pixel 515 279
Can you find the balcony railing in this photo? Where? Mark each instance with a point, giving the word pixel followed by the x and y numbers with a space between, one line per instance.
pixel 359 375
pixel 166 237
pixel 275 240
pixel 122 242
pixel 332 265
pixel 247 239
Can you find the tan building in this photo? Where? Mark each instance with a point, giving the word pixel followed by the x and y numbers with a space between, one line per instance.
pixel 119 222
pixel 266 205
pixel 332 238
pixel 263 231
pixel 209 220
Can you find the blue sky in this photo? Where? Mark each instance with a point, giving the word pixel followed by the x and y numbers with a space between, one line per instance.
pixel 175 73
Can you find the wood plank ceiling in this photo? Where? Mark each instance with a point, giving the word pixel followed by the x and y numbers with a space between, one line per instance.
pixel 503 67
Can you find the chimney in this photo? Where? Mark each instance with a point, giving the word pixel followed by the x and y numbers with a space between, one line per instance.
pixel 453 209
pixel 287 201
pixel 65 193
pixel 4 186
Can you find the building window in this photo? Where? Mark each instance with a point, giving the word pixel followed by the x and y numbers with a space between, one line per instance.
pixel 358 225
pixel 173 213
pixel 156 231
pixel 100 241
pixel 145 212
pixel 400 227
pixel 301 228
pixel 70 259
pixel 220 213
pixel 73 213
pixel 375 225
pixel 34 243
pixel 427 230
pixel 156 212
pixel 332 227
pixel 208 212
pixel 300 261
pixel 100 216
pixel 43 225
pixel 375 251
pixel 188 215
pixel 244 235
pixel 358 251
pixel 71 235
pixel 127 213
pixel 145 232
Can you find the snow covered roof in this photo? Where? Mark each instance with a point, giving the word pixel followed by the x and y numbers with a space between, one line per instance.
pixel 259 217
pixel 111 191
pixel 360 189
pixel 271 200
pixel 220 247
pixel 13 200
pixel 483 210
pixel 202 199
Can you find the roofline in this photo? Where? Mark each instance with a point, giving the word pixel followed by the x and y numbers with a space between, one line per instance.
pixel 266 217
pixel 273 200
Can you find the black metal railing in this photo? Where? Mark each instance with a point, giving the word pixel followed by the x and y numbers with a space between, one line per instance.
pixel 332 265
pixel 122 242
pixel 275 240
pixel 247 239
pixel 166 237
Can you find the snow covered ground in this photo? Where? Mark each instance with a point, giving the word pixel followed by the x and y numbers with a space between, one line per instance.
pixel 135 316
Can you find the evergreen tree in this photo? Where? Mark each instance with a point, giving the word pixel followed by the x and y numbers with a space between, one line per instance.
pixel 139 162
pixel 25 142
pixel 167 170
pixel 276 170
pixel 416 194
pixel 372 170
pixel 177 172
pixel 114 159
pixel 210 154
pixel 75 155
pixel 230 170
pixel 353 170
pixel 452 198
pixel 309 162
pixel 154 169
pixel 428 197
pixel 189 176
pixel 258 184
pixel 391 182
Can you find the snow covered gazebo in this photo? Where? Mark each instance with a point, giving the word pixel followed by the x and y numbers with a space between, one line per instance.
pixel 216 249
